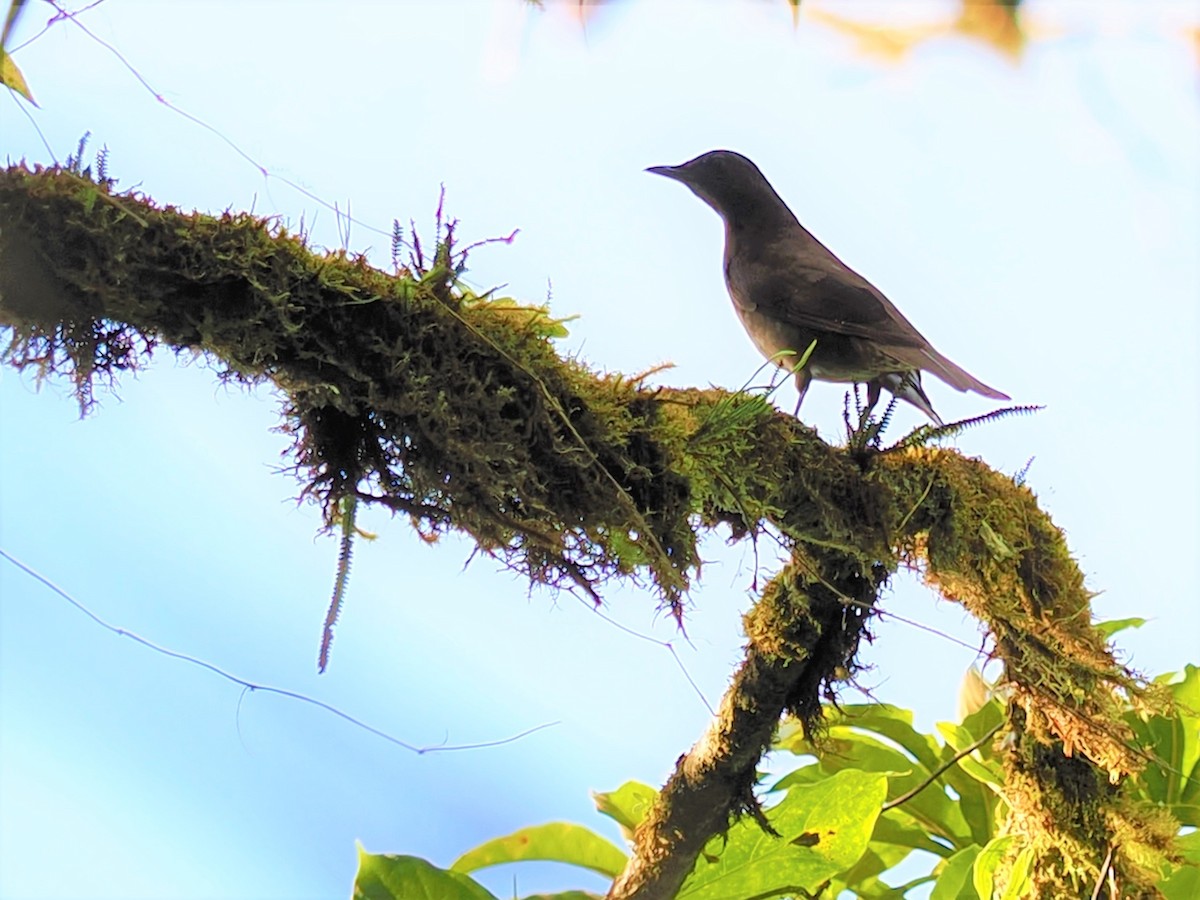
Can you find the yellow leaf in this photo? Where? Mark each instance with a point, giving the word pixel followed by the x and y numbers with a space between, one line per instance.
pixel 11 77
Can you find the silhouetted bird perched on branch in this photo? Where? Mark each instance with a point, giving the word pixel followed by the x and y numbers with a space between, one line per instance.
pixel 789 290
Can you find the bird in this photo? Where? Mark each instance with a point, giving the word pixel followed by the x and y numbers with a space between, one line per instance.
pixel 790 290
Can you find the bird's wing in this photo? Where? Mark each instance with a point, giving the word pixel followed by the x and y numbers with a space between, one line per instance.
pixel 823 298
pixel 840 301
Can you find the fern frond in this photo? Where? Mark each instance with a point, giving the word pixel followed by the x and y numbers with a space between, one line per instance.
pixel 75 162
pixel 867 432
pixel 397 244
pixel 1019 478
pixel 349 506
pixel 926 434
pixel 102 165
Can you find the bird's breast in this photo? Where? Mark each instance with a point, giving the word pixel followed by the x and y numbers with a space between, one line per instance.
pixel 770 335
pixel 836 357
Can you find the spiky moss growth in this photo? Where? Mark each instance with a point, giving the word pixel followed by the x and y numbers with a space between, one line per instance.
pixel 986 545
pixel 406 390
pixel 811 619
pixel 1079 826
pixel 1144 839
pixel 748 465
pixel 982 541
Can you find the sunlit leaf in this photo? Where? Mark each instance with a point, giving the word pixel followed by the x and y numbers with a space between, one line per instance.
pixel 628 805
pixel 1018 878
pixel 386 877
pixel 1111 627
pixel 954 880
pixel 11 77
pixel 983 873
pixel 825 828
pixel 555 842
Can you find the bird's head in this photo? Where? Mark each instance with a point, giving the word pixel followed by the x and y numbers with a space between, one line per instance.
pixel 728 182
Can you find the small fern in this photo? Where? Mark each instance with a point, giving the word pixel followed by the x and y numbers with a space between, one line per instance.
pixel 102 166
pixel 927 434
pixel 349 506
pixel 867 432
pixel 1019 478
pixel 75 161
pixel 397 245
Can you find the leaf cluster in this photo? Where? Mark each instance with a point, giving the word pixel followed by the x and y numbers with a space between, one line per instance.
pixel 878 791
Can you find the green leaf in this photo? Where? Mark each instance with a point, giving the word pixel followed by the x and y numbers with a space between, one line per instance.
pixel 809 774
pixel 386 877
pixel 862 879
pixel 1183 885
pixel 1189 846
pixel 1187 813
pixel 989 772
pixel 1112 626
pixel 536 319
pixel 981 721
pixel 1175 740
pixel 989 859
pixel 997 545
pixel 1018 880
pixel 974 776
pixel 971 775
pixel 897 828
pixel 978 805
pixel 1186 694
pixel 901 890
pixel 628 805
pixel 555 842
pixel 825 829
pixel 935 811
pixel 954 881
pixel 843 748
pixel 866 737
pixel 895 724
pixel 1184 882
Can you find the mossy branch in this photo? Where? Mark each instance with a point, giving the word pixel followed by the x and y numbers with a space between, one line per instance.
pixel 411 392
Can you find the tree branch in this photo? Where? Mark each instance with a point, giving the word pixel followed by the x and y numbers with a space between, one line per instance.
pixel 785 670
pixel 410 391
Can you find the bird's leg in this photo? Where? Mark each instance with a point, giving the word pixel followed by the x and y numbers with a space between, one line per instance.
pixel 873 389
pixel 803 379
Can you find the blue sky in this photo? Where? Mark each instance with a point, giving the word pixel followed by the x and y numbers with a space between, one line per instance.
pixel 1037 221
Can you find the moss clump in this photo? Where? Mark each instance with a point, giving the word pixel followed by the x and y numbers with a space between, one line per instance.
pixel 405 390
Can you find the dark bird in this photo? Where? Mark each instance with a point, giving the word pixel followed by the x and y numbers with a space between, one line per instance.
pixel 790 290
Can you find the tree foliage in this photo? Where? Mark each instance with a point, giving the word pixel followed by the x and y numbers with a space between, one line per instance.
pixel 875 791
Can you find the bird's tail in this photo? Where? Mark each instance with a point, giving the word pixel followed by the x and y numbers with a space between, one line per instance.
pixel 955 376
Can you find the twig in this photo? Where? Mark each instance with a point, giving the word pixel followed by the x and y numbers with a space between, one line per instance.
pixel 934 776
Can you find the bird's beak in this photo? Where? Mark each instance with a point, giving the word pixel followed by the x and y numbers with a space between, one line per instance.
pixel 675 172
